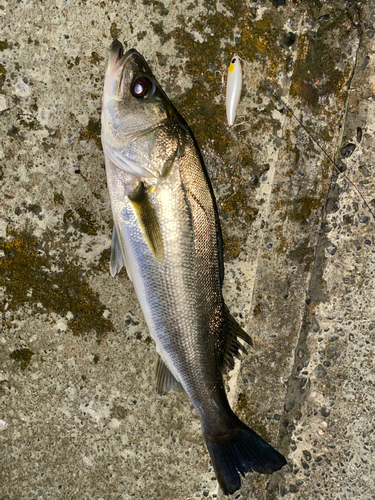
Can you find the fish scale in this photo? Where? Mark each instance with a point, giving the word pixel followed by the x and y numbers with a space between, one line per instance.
pixel 167 234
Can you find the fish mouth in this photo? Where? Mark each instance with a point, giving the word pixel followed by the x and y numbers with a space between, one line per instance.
pixel 117 52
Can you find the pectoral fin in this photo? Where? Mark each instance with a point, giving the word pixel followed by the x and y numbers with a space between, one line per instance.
pixel 233 332
pixel 148 221
pixel 117 255
pixel 164 379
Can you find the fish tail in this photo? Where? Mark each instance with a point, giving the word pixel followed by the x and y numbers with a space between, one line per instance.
pixel 241 450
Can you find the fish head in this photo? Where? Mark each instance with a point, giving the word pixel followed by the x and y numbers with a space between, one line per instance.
pixel 140 126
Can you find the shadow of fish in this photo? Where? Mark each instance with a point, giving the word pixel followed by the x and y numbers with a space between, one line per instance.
pixel 167 235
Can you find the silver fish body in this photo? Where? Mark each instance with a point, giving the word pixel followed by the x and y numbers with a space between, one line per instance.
pixel 167 234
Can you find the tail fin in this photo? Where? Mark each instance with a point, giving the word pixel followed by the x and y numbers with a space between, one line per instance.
pixel 240 451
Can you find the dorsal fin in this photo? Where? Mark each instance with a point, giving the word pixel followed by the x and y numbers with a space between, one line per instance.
pixel 164 379
pixel 233 332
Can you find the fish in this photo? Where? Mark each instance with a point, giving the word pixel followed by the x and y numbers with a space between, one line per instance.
pixel 167 235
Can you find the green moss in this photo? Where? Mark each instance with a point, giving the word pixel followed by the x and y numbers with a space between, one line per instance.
pixel 81 220
pixel 301 208
pixel 114 31
pixel 95 58
pixel 232 246
pixel 257 310
pixel 237 205
pixel 34 208
pixel 206 118
pixel 92 131
pixel 303 254
pixel 28 278
pixel 245 411
pixel 58 198
pixel 22 356
pixel 159 31
pixel 315 60
pixel 4 45
pixel 160 8
pixel 141 35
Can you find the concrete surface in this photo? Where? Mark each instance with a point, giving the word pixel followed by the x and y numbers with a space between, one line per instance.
pixel 80 418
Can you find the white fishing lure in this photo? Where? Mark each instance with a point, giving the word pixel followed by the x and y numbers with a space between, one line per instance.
pixel 234 86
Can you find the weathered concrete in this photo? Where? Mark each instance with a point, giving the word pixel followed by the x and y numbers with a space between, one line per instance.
pixel 80 417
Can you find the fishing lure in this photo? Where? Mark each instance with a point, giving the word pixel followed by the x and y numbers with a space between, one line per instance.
pixel 234 87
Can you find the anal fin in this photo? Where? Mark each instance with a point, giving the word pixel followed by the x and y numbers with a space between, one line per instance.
pixel 164 379
pixel 233 347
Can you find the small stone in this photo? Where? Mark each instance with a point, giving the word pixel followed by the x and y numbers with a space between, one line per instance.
pixel 293 488
pixel 315 325
pixel 364 219
pixel 305 465
pixel 331 207
pixel 326 228
pixel 320 371
pixel 283 490
pixel 367 242
pixel 359 134
pixel 287 39
pixel 350 280
pixel 347 150
pixel 331 248
pixel 307 455
pixel 333 338
pixel 254 180
pixel 364 171
pixel 325 412
pixel 277 416
pixel 289 405
pixel 341 165
pixel 332 353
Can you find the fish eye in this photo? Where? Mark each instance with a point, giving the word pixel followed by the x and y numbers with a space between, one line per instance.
pixel 233 60
pixel 142 87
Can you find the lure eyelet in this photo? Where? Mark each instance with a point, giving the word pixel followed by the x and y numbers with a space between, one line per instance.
pixel 142 87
